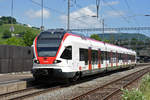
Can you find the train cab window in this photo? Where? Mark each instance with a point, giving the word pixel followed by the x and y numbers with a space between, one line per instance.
pixel 67 53
pixel 83 55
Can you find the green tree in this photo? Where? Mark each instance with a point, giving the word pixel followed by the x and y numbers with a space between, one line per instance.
pixel 6 34
pixel 134 41
pixel 105 40
pixel 15 41
pixel 29 37
pixel 7 20
pixel 96 37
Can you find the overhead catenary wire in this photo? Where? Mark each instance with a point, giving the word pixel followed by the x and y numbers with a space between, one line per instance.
pixel 130 10
pixel 123 17
pixel 59 12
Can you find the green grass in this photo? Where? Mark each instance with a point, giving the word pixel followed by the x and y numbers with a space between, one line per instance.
pixel 18 29
pixel 147 94
pixel 145 86
pixel 143 93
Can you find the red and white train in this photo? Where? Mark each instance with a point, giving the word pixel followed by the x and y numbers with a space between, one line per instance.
pixel 59 54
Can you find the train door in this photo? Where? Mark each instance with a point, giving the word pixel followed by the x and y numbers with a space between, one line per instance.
pixel 90 58
pixel 99 58
pixel 75 59
pixel 102 58
pixel 83 58
pixel 111 58
pixel 117 60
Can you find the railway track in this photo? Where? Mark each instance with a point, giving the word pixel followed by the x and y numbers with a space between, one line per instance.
pixel 109 90
pixel 26 93
pixel 31 92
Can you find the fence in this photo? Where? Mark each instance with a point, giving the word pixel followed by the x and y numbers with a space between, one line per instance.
pixel 15 58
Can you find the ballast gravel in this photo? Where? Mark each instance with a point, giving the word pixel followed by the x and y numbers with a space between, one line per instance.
pixel 66 93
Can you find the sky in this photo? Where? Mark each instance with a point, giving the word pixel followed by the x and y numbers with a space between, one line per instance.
pixel 116 13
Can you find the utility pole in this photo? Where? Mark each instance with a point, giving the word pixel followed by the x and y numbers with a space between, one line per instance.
pixel 42 27
pixel 103 27
pixel 12 7
pixel 97 7
pixel 68 19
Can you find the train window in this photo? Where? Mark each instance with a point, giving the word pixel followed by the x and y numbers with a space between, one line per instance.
pixel 119 56
pixel 102 56
pixel 122 56
pixel 94 57
pixel 67 53
pixel 109 56
pixel 106 55
pixel 84 55
pixel 114 57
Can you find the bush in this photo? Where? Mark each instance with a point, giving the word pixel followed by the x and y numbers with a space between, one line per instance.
pixel 29 37
pixel 6 34
pixel 134 94
pixel 145 83
pixel 15 41
pixel 145 86
pixel 96 37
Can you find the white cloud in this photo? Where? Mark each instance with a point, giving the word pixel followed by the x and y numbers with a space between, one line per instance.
pixel 82 18
pixel 110 3
pixel 114 13
pixel 37 14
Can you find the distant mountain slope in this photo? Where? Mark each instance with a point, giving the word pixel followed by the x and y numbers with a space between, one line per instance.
pixel 123 36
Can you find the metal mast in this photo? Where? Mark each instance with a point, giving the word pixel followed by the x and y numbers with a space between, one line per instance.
pixel 97 7
pixel 42 27
pixel 12 8
pixel 68 19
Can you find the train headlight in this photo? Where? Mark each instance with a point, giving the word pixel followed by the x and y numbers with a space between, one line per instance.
pixel 36 61
pixel 56 61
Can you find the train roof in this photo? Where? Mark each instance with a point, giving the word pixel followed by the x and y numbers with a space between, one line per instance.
pixel 110 47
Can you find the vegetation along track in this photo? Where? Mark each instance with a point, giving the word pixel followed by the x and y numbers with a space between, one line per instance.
pixel 112 88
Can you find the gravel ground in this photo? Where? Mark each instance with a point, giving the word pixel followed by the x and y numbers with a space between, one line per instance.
pixel 67 93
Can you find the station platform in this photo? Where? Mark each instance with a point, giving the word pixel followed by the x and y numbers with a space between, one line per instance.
pixel 14 81
pixel 10 77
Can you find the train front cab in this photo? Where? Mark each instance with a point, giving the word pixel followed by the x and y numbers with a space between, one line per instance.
pixel 53 59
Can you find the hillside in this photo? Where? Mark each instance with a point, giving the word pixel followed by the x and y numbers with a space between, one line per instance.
pixel 26 34
pixel 123 36
pixel 18 28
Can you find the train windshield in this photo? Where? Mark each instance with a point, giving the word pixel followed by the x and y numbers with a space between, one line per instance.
pixel 48 43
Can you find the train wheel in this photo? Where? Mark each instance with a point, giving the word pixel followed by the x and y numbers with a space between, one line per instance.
pixel 76 77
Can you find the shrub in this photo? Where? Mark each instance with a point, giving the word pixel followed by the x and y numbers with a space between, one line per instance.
pixel 14 41
pixel 134 94
pixel 96 37
pixel 6 34
pixel 145 83
pixel 28 37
